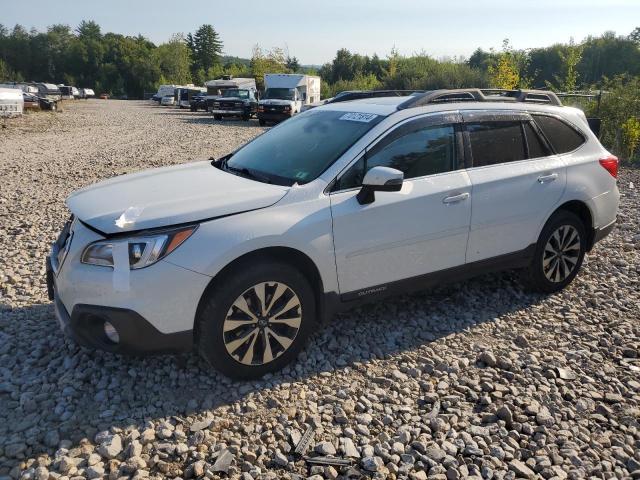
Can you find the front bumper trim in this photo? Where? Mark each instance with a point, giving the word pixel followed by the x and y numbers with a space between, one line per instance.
pixel 227 112
pixel 85 325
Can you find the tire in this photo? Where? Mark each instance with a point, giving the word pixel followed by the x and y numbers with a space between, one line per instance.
pixel 548 272
pixel 217 117
pixel 245 117
pixel 282 286
pixel 193 109
pixel 262 122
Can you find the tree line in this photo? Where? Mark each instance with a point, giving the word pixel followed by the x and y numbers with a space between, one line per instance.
pixel 132 65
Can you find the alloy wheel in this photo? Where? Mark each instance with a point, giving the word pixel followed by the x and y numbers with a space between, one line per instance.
pixel 561 253
pixel 262 323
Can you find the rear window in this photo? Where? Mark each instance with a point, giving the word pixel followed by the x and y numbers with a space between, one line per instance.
pixel 496 142
pixel 562 137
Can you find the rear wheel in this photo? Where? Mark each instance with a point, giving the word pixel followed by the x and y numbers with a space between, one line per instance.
pixel 256 319
pixel 262 122
pixel 559 253
pixel 217 117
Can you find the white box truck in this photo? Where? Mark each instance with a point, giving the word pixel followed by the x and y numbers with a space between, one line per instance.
pixel 285 94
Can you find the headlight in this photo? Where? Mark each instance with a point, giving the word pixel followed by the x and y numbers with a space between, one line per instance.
pixel 144 250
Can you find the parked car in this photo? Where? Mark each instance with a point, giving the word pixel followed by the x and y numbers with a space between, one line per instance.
pixel 104 96
pixel 235 102
pixel 49 91
pixel 216 88
pixel 168 100
pixel 86 93
pixel 75 92
pixel 241 258
pixel 198 102
pixel 185 94
pixel 31 101
pixel 163 91
pixel 66 91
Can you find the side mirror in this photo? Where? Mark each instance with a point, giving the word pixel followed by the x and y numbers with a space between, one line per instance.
pixel 379 179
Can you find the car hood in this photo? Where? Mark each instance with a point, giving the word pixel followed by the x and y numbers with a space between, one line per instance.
pixel 169 196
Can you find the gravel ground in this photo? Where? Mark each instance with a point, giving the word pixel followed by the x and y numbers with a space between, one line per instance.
pixel 478 379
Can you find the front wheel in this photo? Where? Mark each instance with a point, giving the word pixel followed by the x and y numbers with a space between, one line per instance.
pixel 559 253
pixel 256 319
pixel 262 122
pixel 217 117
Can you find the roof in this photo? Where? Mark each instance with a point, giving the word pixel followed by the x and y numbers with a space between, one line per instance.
pixel 448 100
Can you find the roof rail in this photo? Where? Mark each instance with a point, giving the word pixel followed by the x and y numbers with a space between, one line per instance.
pixel 481 95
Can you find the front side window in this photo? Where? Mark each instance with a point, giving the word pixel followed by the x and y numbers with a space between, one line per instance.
pixel 562 137
pixel 496 142
pixel 417 153
pixel 300 149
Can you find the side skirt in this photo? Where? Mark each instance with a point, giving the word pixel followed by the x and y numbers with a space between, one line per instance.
pixel 335 303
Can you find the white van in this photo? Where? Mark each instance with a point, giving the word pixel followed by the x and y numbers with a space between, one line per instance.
pixel 164 91
pixel 286 94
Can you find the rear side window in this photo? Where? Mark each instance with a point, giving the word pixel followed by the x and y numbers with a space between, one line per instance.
pixel 562 137
pixel 536 148
pixel 496 142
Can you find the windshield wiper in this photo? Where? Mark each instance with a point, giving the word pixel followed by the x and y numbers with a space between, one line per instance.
pixel 245 172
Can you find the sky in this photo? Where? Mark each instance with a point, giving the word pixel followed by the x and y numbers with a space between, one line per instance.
pixel 314 31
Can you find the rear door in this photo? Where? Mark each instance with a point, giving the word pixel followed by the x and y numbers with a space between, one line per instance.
pixel 516 181
pixel 421 229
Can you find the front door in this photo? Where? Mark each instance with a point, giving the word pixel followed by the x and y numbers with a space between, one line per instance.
pixel 420 229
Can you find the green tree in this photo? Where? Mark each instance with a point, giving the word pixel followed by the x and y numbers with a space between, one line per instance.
pixel 505 72
pixel 174 60
pixel 271 61
pixel 206 48
pixel 570 57
pixel 292 64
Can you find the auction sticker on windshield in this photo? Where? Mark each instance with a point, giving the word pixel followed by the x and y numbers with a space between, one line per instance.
pixel 358 117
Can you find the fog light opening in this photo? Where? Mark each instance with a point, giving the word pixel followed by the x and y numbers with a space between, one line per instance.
pixel 111 332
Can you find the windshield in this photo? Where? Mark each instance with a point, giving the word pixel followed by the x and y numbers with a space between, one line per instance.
pixel 279 94
pixel 234 92
pixel 300 149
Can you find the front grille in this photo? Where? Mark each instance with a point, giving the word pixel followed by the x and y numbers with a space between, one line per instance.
pixel 274 108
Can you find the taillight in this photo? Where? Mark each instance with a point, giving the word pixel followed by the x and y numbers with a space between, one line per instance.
pixel 610 164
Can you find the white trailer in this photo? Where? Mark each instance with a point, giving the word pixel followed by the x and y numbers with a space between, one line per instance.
pixel 11 102
pixel 285 95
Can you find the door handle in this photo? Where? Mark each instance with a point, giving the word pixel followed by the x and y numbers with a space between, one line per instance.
pixel 456 198
pixel 547 178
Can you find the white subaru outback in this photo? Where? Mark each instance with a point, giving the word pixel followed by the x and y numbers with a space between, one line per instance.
pixel 242 257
